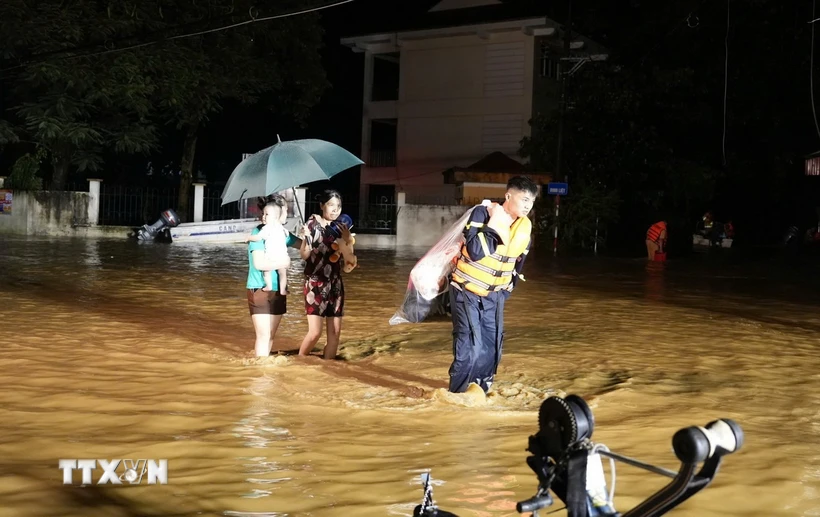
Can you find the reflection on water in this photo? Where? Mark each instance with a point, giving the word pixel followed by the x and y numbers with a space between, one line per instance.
pixel 117 349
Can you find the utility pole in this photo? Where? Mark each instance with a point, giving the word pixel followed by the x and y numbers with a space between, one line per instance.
pixel 563 69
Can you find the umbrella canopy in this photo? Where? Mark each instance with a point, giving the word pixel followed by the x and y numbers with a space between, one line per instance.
pixel 285 165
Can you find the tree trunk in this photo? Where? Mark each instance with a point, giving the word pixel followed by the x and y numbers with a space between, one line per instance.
pixel 60 161
pixel 187 167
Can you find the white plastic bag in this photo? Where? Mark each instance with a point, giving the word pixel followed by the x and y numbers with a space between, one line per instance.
pixel 429 277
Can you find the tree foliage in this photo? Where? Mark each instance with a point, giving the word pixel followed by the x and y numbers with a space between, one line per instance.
pixel 25 173
pixel 75 106
pixel 275 60
pixel 672 123
pixel 87 77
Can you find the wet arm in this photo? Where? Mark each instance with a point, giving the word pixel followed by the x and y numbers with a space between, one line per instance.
pixel 305 249
pixel 480 240
pixel 519 265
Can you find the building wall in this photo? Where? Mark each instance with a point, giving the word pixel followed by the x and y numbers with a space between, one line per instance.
pixel 460 98
pixel 424 225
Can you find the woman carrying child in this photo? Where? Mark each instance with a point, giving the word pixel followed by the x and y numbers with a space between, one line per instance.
pixel 267 306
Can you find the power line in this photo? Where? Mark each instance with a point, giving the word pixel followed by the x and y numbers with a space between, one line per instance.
pixel 199 33
pixel 811 68
pixel 726 76
pixel 39 58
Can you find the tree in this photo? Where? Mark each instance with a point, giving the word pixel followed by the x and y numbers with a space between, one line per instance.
pixel 276 60
pixel 7 134
pixel 25 173
pixel 75 106
pixel 584 216
pixel 650 121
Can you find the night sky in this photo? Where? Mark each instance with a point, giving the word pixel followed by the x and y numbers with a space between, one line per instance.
pixel 337 118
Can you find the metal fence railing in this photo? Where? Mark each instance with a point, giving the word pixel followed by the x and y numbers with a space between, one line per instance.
pixel 134 206
pixel 212 209
pixel 379 218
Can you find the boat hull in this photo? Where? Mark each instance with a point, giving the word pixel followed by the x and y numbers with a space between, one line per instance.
pixel 225 231
pixel 228 230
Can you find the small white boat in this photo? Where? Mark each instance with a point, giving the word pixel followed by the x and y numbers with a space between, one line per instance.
pixel 702 243
pixel 227 230
pixel 168 227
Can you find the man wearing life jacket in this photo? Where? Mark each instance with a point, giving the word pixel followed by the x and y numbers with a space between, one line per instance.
pixel 708 222
pixel 497 240
pixel 707 227
pixel 655 239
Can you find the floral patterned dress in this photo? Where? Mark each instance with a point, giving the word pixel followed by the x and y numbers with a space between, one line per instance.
pixel 324 290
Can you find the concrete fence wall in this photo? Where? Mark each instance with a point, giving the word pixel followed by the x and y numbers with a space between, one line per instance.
pixel 77 214
pixel 56 213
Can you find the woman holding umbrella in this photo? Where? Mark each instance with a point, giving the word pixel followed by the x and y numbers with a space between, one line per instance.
pixel 324 289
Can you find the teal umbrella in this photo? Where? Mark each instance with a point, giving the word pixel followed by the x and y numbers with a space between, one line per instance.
pixel 286 165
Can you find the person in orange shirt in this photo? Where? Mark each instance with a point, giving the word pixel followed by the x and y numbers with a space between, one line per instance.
pixel 655 239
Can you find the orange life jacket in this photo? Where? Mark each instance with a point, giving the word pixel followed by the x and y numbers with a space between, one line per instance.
pixel 494 272
pixel 654 232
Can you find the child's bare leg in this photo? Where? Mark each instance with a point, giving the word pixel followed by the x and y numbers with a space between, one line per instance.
pixel 268 281
pixel 283 281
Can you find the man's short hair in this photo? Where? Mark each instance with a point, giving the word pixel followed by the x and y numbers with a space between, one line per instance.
pixel 523 184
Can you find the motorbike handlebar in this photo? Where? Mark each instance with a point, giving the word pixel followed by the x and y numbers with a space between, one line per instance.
pixel 696 444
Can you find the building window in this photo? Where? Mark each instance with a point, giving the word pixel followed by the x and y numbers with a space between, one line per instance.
pixel 385 77
pixel 383 143
pixel 550 65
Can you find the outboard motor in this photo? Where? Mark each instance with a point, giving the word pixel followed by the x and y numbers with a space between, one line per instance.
pixel 790 235
pixel 168 219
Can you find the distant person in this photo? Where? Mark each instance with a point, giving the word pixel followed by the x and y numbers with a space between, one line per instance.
pixel 708 222
pixel 729 230
pixel 706 227
pixel 274 236
pixel 266 307
pixel 656 239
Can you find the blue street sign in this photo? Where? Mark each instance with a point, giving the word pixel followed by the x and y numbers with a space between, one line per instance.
pixel 557 189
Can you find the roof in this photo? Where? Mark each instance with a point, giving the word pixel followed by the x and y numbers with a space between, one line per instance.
pixel 496 165
pixel 494 162
pixel 420 18
pixel 417 21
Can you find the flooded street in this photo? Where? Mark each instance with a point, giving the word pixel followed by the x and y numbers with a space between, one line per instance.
pixel 117 350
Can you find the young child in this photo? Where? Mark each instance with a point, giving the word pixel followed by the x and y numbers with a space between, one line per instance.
pixel 275 237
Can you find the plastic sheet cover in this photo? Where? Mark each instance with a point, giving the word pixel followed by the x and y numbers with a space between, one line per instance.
pixel 429 278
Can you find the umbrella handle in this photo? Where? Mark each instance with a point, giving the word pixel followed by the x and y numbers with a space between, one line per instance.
pixel 299 208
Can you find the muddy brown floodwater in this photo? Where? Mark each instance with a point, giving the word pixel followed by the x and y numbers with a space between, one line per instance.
pixel 112 349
